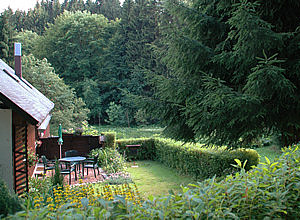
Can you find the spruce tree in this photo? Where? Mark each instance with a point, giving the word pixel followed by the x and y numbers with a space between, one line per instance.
pixel 231 71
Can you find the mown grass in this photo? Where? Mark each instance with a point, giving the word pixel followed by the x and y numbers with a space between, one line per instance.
pixel 271 152
pixel 132 132
pixel 153 178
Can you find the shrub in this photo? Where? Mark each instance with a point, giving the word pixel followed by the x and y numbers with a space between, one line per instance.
pixel 57 179
pixel 110 139
pixel 193 159
pixel 39 186
pixel 9 202
pixel 116 114
pixel 109 160
pixel 118 178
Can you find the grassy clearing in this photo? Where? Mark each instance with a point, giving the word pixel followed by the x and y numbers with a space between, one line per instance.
pixel 153 178
pixel 134 132
pixel 271 152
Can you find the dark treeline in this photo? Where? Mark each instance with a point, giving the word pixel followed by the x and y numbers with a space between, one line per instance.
pixel 223 72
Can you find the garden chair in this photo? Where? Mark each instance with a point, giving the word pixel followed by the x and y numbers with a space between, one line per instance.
pixel 68 170
pixel 73 153
pixel 48 164
pixel 91 163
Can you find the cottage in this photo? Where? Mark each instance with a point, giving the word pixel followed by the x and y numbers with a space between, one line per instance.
pixel 24 118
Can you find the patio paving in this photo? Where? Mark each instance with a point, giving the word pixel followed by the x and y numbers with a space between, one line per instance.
pixel 87 178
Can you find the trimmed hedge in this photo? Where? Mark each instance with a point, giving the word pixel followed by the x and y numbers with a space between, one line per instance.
pixel 110 139
pixel 147 151
pixel 190 159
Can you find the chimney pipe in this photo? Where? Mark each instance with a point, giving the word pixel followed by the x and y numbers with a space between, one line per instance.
pixel 18 64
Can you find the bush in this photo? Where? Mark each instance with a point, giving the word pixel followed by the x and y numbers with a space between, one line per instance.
pixel 116 114
pixel 110 139
pixel 57 180
pixel 194 160
pixel 39 186
pixel 9 202
pixel 109 160
pixel 118 179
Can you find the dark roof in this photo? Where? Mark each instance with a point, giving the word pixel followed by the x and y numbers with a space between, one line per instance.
pixel 23 95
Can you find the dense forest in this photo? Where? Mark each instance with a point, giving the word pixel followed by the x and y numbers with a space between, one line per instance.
pixel 219 71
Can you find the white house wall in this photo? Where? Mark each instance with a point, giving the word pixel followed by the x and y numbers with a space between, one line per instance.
pixel 6 164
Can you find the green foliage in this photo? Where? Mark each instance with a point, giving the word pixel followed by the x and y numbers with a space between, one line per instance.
pixel 190 159
pixel 270 190
pixel 57 180
pixel 9 202
pixel 74 45
pixel 6 38
pixel 109 159
pixel 39 186
pixel 69 110
pixel 110 139
pixel 147 151
pixel 230 71
pixel 141 117
pixel 116 114
pixel 118 179
pixel 28 39
pixel 193 159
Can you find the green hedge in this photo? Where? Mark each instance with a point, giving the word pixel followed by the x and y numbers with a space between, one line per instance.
pixel 110 139
pixel 190 159
pixel 194 160
pixel 147 151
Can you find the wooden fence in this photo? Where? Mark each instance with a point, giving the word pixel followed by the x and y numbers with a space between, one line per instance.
pixel 83 144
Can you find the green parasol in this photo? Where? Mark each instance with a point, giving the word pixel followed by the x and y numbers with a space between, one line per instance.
pixel 60 140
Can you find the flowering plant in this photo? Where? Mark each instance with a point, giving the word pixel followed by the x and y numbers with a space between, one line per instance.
pixel 32 158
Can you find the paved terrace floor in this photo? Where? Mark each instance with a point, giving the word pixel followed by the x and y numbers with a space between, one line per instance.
pixel 87 178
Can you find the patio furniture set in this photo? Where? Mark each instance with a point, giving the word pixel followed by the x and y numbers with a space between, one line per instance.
pixel 72 163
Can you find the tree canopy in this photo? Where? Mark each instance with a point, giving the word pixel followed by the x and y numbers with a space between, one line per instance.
pixel 68 110
pixel 233 71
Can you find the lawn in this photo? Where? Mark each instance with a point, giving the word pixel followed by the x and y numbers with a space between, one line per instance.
pixel 153 178
pixel 132 132
pixel 271 152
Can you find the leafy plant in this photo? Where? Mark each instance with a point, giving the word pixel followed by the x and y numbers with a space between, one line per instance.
pixel 57 179
pixel 9 202
pixel 110 139
pixel 39 186
pixel 270 190
pixel 116 114
pixel 32 157
pixel 109 160
pixel 118 178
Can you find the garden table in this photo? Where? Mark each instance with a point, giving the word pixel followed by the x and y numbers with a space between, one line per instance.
pixel 73 160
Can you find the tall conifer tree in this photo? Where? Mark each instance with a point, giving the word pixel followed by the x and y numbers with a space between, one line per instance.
pixel 232 71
